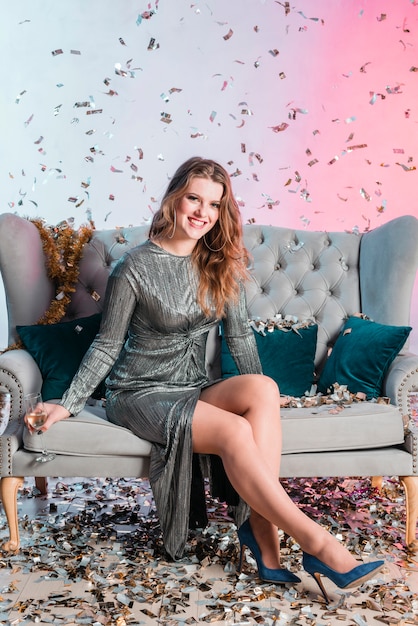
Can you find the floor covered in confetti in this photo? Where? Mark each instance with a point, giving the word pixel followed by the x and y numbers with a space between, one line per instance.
pixel 92 554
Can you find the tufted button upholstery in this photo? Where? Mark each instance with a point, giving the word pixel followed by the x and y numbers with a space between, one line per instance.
pixel 301 273
pixel 99 257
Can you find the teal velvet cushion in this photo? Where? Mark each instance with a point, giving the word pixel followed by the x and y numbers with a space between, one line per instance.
pixel 58 350
pixel 362 355
pixel 287 356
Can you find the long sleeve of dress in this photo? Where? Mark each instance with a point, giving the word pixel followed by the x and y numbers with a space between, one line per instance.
pixel 240 339
pixel 120 302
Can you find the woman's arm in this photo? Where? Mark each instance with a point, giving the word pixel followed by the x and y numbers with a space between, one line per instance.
pixel 119 305
pixel 240 338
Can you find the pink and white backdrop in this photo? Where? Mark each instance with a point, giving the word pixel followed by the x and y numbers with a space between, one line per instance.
pixel 311 106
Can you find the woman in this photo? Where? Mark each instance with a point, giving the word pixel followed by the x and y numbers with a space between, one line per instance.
pixel 162 299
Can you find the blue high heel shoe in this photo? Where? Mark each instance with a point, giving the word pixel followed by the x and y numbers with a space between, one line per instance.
pixel 353 578
pixel 279 576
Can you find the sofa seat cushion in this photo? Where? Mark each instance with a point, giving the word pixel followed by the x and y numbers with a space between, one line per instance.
pixel 358 426
pixel 88 434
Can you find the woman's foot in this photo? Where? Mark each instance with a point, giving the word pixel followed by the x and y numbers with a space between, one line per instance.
pixel 267 537
pixel 352 578
pixel 276 575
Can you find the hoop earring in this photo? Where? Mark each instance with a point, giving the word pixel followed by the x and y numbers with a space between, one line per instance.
pixel 212 249
pixel 174 225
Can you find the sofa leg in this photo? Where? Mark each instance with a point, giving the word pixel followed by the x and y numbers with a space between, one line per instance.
pixel 41 484
pixel 9 486
pixel 410 485
pixel 377 482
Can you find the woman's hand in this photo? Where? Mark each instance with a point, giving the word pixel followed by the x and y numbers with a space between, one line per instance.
pixel 55 413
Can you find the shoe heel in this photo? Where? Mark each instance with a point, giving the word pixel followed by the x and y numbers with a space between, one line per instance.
pixel 318 579
pixel 241 558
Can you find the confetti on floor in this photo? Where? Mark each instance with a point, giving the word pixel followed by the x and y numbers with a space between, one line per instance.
pixel 92 554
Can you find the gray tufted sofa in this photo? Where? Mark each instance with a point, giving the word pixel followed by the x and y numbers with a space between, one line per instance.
pixel 327 276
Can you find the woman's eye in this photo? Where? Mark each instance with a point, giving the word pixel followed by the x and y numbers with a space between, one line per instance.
pixel 216 205
pixel 192 198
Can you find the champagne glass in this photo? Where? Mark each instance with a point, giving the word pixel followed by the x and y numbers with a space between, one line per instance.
pixel 4 410
pixel 36 417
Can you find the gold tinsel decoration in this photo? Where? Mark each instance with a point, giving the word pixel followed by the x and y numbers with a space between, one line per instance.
pixel 63 247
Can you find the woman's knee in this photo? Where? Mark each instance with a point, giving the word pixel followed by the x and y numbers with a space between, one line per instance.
pixel 265 389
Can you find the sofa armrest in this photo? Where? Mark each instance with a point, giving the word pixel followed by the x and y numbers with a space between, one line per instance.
pixel 402 378
pixel 19 374
pixel 395 269
pixel 10 441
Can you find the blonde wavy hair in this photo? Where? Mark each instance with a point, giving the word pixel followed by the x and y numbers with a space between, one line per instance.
pixel 220 255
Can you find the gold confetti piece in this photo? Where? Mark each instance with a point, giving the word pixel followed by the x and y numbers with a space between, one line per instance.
pixel 57 52
pixel 77 52
pixel 407 168
pixel 228 35
pixel 280 127
pixel 357 147
pixel 166 118
pixel 121 41
pixel 274 52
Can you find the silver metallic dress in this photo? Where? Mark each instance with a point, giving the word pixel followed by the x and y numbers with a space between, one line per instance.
pixel 151 346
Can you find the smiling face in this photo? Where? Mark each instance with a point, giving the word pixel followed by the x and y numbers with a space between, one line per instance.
pixel 197 211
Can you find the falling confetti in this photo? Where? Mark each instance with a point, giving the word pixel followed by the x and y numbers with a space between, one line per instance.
pixel 280 127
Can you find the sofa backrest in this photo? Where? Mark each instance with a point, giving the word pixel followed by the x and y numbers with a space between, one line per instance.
pixel 309 274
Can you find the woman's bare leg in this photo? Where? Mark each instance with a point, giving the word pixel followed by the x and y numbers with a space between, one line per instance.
pixel 233 437
pixel 260 405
